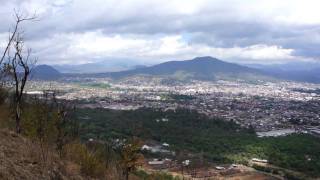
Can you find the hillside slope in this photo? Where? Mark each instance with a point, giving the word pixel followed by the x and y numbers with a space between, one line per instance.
pixel 20 159
pixel 45 72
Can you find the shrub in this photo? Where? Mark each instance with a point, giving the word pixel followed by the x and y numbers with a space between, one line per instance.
pixel 89 161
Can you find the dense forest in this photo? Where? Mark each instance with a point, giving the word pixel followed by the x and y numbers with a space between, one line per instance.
pixel 218 140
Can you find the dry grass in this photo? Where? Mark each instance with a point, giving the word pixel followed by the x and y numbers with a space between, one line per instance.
pixel 21 159
pixel 90 163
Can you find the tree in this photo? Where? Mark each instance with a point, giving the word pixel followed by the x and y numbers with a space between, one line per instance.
pixel 50 122
pixel 130 156
pixel 17 66
pixel 66 125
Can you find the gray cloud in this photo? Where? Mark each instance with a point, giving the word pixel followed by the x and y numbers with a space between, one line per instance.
pixel 229 27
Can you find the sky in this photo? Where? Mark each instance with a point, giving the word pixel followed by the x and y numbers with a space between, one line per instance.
pixel 241 31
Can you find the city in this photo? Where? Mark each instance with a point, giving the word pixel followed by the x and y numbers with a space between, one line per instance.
pixel 265 106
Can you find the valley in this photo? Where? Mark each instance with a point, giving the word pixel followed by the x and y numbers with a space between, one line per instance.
pixel 215 125
pixel 265 106
pixel 159 90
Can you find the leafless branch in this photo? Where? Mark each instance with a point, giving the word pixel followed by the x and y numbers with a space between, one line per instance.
pixel 19 18
pixel 18 67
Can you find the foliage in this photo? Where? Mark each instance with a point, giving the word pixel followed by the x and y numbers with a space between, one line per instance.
pixel 181 97
pixel 220 141
pixel 130 156
pixel 49 121
pixel 97 85
pixel 90 161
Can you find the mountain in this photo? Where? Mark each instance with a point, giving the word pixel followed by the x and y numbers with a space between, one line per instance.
pixel 295 71
pixel 200 68
pixel 45 72
pixel 310 76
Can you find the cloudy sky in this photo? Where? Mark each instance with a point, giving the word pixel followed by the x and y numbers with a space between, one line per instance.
pixel 242 31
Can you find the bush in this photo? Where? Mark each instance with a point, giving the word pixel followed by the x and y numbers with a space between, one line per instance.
pixel 89 161
pixel 162 176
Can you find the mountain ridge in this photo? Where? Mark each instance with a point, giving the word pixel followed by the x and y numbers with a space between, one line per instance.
pixel 199 68
pixel 298 71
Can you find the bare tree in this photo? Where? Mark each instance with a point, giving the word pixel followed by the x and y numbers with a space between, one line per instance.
pixel 17 66
pixel 12 35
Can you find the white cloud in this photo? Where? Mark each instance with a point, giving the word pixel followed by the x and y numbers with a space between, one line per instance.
pixel 91 46
pixel 3 40
pixel 78 31
pixel 263 52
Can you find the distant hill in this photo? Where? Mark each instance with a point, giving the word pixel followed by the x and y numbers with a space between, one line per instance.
pixel 310 76
pixel 200 68
pixel 295 71
pixel 45 72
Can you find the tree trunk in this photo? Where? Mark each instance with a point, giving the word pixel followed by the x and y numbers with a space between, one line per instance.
pixel 18 118
pixel 126 175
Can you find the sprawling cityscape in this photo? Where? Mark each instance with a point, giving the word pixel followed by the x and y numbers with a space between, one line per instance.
pixel 265 106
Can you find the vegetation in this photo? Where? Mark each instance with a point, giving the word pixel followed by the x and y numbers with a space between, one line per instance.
pixel 130 156
pixel 50 123
pixel 91 161
pixel 52 126
pixel 16 67
pixel 55 126
pixel 155 176
pixel 220 141
pixel 97 85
